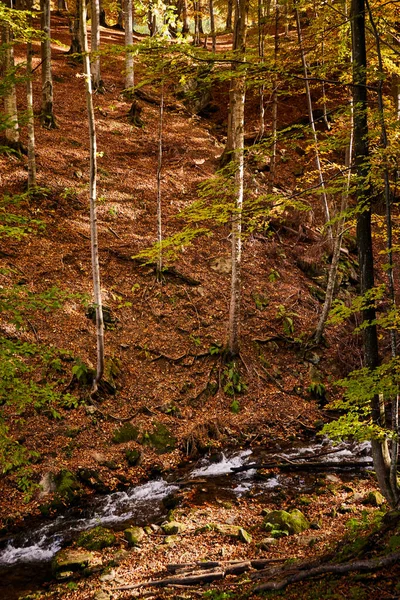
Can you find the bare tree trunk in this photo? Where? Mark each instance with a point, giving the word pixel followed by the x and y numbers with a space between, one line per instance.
pixel 229 13
pixel 185 22
pixel 30 119
pixel 93 207
pixel 95 43
pixel 314 131
pixel 389 271
pixel 75 28
pixel 261 44
pixel 275 102
pixel 159 170
pixel 11 131
pixel 380 452
pixel 47 115
pixel 151 20
pixel 129 64
pixel 337 245
pixel 236 109
pixel 120 19
pixel 212 26
pixel 196 37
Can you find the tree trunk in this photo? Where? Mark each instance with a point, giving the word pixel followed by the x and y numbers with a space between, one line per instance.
pixel 314 131
pixel 47 116
pixel 184 17
pixel 30 119
pixel 236 110
pixel 95 43
pixel 11 130
pixel 75 28
pixel 275 102
pixel 380 451
pixel 93 207
pixel 212 26
pixel 159 169
pixel 151 20
pixel 129 64
pixel 229 13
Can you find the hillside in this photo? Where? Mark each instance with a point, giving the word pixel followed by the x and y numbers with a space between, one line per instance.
pixel 165 372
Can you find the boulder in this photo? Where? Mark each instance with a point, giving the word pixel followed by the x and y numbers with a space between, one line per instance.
pixel 173 528
pixel 285 522
pixel 134 535
pixel 96 539
pixel 374 499
pixel 70 562
pixel 233 531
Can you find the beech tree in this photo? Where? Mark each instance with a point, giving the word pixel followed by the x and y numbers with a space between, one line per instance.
pixel 47 115
pixel 236 154
pixel 11 126
pixel 95 46
pixel 129 64
pixel 93 204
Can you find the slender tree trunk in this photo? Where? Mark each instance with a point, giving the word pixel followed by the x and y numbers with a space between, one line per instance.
pixel 390 265
pixel 314 131
pixel 185 22
pixel 212 26
pixel 380 451
pixel 129 64
pixel 236 109
pixel 196 37
pixel 159 195
pixel 93 207
pixel 47 115
pixel 30 119
pixel 95 46
pixel 75 28
pixel 228 26
pixel 261 44
pixel 337 245
pixel 275 102
pixel 11 131
pixel 120 18
pixel 151 19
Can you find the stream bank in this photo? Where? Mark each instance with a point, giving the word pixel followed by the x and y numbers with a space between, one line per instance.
pixel 206 493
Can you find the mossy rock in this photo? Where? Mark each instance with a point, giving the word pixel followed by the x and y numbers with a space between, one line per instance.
pixel 283 521
pixel 92 479
pixel 69 562
pixel 374 498
pixel 173 527
pixel 233 531
pixel 161 438
pixel 126 433
pixel 67 485
pixel 134 457
pixel 96 539
pixel 134 535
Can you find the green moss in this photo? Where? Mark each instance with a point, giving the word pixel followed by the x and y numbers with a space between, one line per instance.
pixel 126 433
pixel 67 485
pixel 161 439
pixel 96 539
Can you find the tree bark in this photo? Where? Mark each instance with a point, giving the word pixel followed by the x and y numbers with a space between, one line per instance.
pixel 159 170
pixel 380 450
pixel 30 119
pixel 236 155
pixel 95 46
pixel 47 118
pixel 212 26
pixel 129 63
pixel 11 131
pixel 93 206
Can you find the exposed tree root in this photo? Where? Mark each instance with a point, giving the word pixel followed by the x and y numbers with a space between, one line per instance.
pixel 336 569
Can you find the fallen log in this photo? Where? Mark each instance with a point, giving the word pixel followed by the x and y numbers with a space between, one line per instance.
pixel 291 466
pixel 335 569
pixel 186 581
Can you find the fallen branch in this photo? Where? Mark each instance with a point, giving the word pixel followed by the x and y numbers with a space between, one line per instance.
pixel 336 569
pixel 291 466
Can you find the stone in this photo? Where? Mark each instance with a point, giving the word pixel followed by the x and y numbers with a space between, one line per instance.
pixel 134 457
pixel 109 575
pixel 47 484
pixel 161 438
pixel 221 265
pixel 92 479
pixel 67 485
pixel 374 498
pixel 134 535
pixel 126 433
pixel 171 539
pixel 266 543
pixel 102 595
pixel 96 539
pixel 244 536
pixel 173 528
pixel 68 562
pixel 288 523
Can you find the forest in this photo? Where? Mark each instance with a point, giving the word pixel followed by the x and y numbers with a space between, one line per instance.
pixel 198 299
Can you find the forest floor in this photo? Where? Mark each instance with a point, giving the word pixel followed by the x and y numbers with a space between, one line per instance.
pixel 162 344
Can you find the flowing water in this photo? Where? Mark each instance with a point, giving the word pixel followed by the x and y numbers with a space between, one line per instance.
pixel 25 558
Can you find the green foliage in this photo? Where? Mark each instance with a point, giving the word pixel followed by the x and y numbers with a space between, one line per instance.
pixel 235 406
pixel 216 348
pixel 317 389
pixel 126 433
pixel 286 317
pixel 233 383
